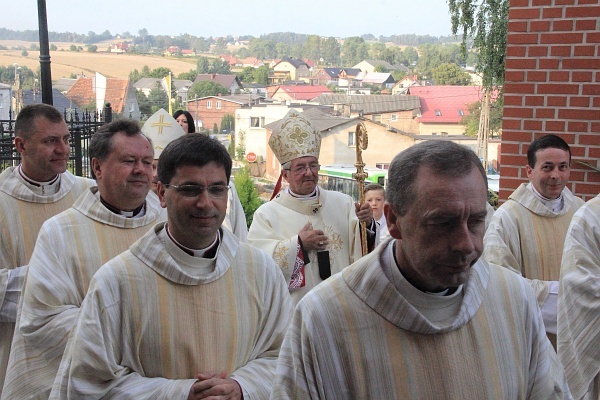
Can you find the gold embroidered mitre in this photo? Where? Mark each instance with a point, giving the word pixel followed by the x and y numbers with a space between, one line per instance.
pixel 162 128
pixel 295 137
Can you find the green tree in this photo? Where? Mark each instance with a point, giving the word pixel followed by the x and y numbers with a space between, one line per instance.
pixel 220 46
pixel 24 53
pixel 312 47
pixel 143 103
pixel 203 65
pixel 53 47
pixel 261 75
pixel 380 68
pixel 486 22
pixel 219 66
pixel 159 72
pixel 471 120
pixel 247 75
pixel 331 52
pixel 215 129
pixel 354 50
pixel 92 48
pixel 227 123
pixel 450 74
pixel 158 99
pixel 206 88
pixel 377 51
pixel 247 193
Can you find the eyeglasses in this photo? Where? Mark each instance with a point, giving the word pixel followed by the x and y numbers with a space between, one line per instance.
pixel 300 169
pixel 214 191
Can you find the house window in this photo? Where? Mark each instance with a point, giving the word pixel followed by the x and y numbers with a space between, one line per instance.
pixel 394 117
pixel 438 113
pixel 209 104
pixel 218 105
pixel 351 137
pixel 461 113
pixel 257 122
pixel 377 118
pixel 382 165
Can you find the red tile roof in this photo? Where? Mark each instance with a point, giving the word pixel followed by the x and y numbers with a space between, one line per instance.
pixel 82 93
pixel 442 104
pixel 303 92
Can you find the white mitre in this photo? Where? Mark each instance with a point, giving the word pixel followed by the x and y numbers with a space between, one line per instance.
pixel 294 137
pixel 162 128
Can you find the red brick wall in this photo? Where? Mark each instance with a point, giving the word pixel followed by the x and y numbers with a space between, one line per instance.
pixel 213 115
pixel 552 85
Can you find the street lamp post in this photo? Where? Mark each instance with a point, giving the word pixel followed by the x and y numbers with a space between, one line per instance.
pixel 18 88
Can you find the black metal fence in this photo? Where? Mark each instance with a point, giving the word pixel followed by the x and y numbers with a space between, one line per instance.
pixel 82 127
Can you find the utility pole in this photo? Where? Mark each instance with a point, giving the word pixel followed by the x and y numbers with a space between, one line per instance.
pixel 483 133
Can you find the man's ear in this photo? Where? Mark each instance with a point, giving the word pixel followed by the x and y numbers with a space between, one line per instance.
pixel 96 168
pixel 529 171
pixel 20 145
pixel 392 221
pixel 160 192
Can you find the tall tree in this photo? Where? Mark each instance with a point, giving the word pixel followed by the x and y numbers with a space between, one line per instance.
pixel 487 22
pixel 450 74
pixel 331 52
pixel 354 50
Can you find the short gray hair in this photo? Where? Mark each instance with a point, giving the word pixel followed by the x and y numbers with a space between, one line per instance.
pixel 442 157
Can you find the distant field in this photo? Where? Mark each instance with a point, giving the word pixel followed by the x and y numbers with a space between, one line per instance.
pixel 65 63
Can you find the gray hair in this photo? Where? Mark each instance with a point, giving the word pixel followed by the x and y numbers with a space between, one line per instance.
pixel 442 157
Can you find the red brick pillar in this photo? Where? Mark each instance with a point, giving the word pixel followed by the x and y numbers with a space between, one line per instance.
pixel 552 85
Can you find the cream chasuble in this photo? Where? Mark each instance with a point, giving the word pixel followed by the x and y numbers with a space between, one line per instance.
pixel 356 337
pixel 579 303
pixel 149 325
pixel 276 225
pixel 70 249
pixel 22 213
pixel 527 237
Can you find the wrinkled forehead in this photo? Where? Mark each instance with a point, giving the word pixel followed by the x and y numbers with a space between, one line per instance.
pixel 303 161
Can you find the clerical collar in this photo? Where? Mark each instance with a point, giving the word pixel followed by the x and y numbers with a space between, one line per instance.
pixel 555 205
pixel 309 196
pixel 446 292
pixel 126 214
pixel 41 188
pixel 208 252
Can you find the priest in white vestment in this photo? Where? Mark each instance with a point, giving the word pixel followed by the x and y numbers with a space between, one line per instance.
pixel 162 128
pixel 71 246
pixel 423 317
pixel 188 311
pixel 527 233
pixel 310 232
pixel 579 303
pixel 37 189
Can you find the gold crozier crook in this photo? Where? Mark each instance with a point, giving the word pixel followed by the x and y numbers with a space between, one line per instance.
pixel 361 142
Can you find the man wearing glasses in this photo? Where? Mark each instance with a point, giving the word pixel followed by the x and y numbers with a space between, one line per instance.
pixel 188 310
pixel 311 232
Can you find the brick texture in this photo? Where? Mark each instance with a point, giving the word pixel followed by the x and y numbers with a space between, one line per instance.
pixel 552 85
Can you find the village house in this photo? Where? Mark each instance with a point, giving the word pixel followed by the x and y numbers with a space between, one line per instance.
pixel 290 69
pixel 100 90
pixel 228 81
pixel 373 65
pixel 298 92
pixel 210 110
pixel 443 107
pixel 395 112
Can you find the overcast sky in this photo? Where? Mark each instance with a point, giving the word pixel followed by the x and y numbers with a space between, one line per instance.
pixel 234 17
